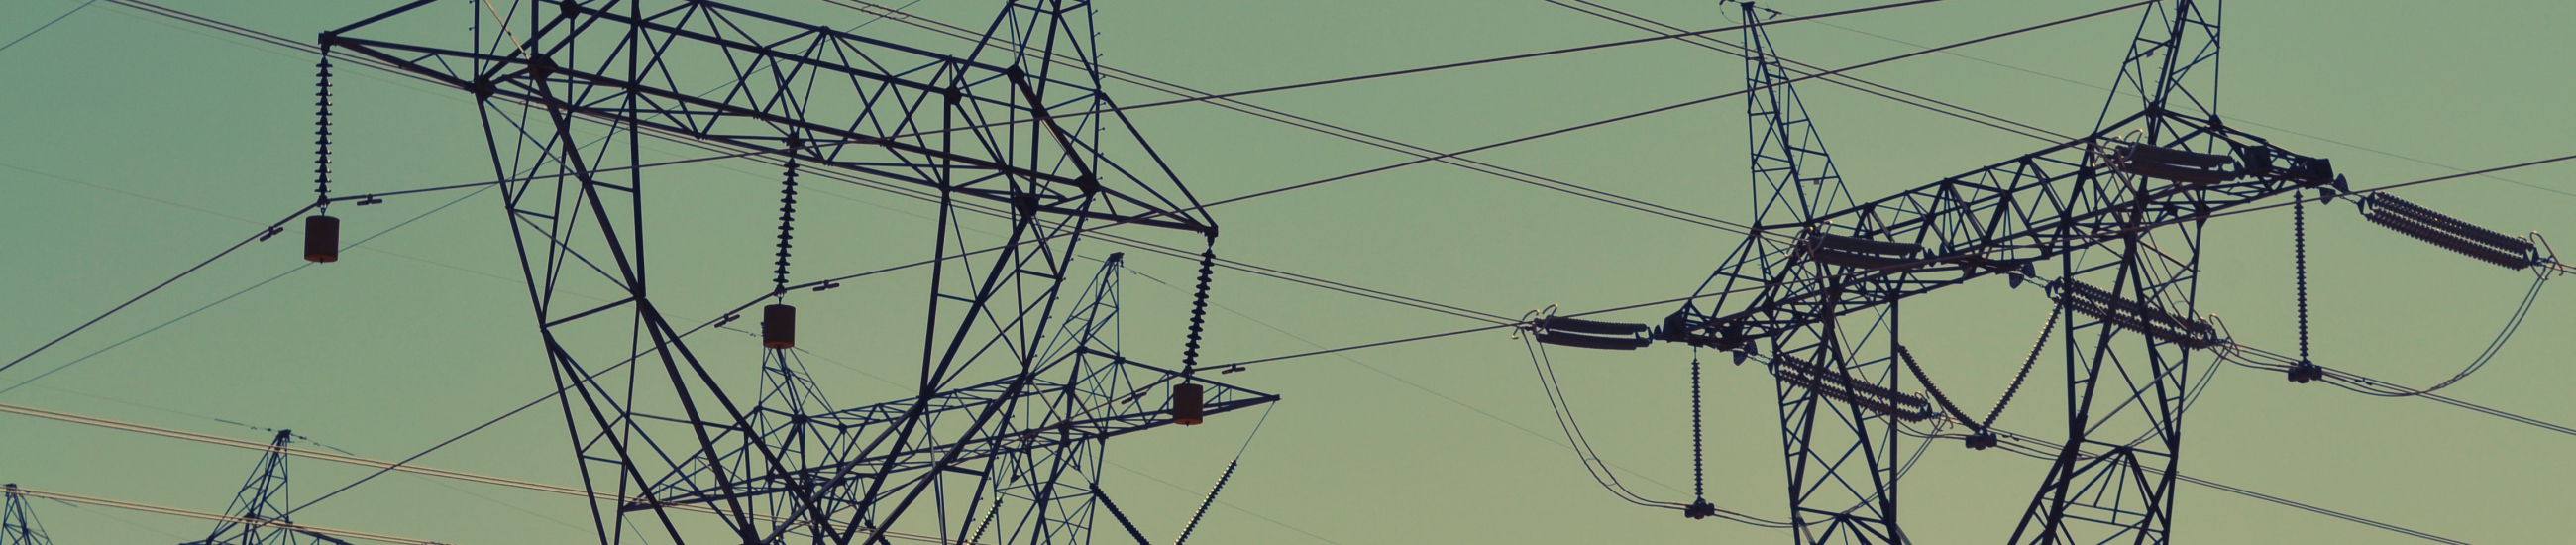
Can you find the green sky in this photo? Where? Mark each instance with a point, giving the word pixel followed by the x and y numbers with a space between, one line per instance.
pixel 136 146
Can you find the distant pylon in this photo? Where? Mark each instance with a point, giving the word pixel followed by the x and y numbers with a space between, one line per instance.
pixel 261 499
pixel 17 523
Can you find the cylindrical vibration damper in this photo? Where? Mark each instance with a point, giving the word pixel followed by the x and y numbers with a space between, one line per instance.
pixel 778 326
pixel 1189 404
pixel 321 239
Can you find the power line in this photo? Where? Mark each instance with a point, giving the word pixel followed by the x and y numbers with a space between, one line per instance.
pixel 183 206
pixel 277 227
pixel 1640 22
pixel 1694 102
pixel 2049 452
pixel 1337 131
pixel 908 19
pixel 1811 76
pixel 2385 188
pixel 157 287
pixel 183 274
pixel 1295 278
pixel 263 523
pixel 1263 518
pixel 280 41
pixel 769 156
pixel 1440 67
pixel 1480 411
pixel 2234 490
pixel 2230 120
pixel 2189 398
pixel 48 24
pixel 1326 351
pixel 1201 207
pixel 350 459
pixel 2555 266
pixel 2371 386
pixel 118 519
pixel 296 45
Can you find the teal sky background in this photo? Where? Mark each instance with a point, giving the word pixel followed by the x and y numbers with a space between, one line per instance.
pixel 136 146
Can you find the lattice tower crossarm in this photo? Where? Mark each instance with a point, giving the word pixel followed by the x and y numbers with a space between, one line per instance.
pixel 982 131
pixel 1839 455
pixel 2160 160
pixel 1996 221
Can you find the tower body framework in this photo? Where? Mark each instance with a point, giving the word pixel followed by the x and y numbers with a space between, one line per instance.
pixel 1012 148
pixel 2122 231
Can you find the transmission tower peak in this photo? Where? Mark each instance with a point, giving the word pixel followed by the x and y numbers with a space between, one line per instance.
pixel 18 524
pixel 259 514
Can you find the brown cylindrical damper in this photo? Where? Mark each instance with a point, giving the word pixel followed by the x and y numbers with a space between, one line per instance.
pixel 1189 404
pixel 778 326
pixel 321 239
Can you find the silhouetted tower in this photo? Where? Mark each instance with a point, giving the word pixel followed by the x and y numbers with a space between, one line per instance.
pixel 1045 492
pixel 2118 211
pixel 1015 151
pixel 262 499
pixel 784 419
pixel 1835 377
pixel 18 524
pixel 2131 306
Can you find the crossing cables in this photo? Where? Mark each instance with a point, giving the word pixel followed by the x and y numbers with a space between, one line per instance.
pixel 1599 469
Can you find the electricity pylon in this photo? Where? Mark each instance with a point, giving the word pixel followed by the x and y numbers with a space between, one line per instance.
pixel 1004 141
pixel 262 500
pixel 1841 457
pixel 2133 192
pixel 18 524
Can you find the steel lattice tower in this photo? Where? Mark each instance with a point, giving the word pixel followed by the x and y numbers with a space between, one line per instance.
pixel 1840 458
pixel 18 524
pixel 2125 384
pixel 1003 140
pixel 1053 483
pixel 262 500
pixel 2119 211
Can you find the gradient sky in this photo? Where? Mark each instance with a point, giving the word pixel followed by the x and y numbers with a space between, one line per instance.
pixel 136 146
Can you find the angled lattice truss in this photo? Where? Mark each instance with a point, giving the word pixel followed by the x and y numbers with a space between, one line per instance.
pixel 2118 211
pixel 996 123
pixel 18 524
pixel 1039 458
pixel 263 498
pixel 1022 156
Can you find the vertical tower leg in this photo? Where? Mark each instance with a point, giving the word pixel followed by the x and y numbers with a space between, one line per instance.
pixel 2126 389
pixel 1841 456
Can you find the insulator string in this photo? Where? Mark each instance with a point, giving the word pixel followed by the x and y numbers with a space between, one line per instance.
pixel 2299 253
pixel 322 133
pixel 1193 525
pixel 1920 376
pixel 1198 309
pixel 2026 363
pixel 1699 461
pixel 786 225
